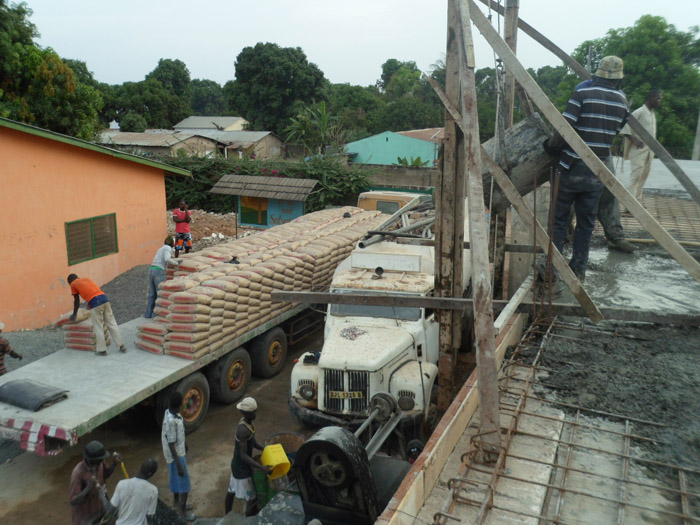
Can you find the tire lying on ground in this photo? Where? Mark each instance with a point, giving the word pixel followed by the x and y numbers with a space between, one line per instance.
pixel 229 376
pixel 269 352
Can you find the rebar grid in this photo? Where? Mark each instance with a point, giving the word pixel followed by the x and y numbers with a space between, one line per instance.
pixel 518 388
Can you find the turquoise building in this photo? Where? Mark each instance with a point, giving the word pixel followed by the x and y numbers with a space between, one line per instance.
pixel 387 147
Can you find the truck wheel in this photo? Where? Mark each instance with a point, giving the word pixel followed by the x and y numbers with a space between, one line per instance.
pixel 269 352
pixel 195 400
pixel 229 376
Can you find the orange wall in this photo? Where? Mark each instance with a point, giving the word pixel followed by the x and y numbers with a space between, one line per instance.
pixel 43 185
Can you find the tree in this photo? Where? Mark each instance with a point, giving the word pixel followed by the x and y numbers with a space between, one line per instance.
pixel 132 122
pixel 314 128
pixel 269 81
pixel 353 105
pixel 207 98
pixel 657 55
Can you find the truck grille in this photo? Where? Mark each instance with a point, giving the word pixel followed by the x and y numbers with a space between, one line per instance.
pixel 335 381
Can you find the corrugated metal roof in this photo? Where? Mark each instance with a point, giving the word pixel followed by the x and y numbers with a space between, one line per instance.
pixel 213 122
pixel 58 137
pixel 269 187
pixel 235 139
pixel 428 134
pixel 163 140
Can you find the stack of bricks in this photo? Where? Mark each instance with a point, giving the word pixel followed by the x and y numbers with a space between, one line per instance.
pixel 219 293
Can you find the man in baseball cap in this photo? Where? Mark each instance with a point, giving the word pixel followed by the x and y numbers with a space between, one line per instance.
pixel 242 465
pixel 6 349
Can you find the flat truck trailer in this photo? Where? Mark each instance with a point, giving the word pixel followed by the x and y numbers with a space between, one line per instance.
pixel 100 388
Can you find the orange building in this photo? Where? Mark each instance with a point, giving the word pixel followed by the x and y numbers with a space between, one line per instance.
pixel 70 206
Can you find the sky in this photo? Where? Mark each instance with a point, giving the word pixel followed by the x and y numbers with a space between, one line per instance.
pixel 349 41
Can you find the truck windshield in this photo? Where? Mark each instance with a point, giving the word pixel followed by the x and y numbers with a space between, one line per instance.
pixel 400 313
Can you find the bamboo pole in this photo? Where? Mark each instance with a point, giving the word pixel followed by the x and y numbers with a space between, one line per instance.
pixel 583 73
pixel 487 372
pixel 580 147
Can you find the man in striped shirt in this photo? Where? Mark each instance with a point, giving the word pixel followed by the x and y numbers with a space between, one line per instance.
pixel 597 111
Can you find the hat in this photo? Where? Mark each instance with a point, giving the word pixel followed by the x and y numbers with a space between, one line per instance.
pixel 610 67
pixel 247 405
pixel 94 451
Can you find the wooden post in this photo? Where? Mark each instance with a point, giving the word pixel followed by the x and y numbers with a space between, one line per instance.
pixel 580 147
pixel 511 38
pixel 583 73
pixel 449 234
pixel 487 372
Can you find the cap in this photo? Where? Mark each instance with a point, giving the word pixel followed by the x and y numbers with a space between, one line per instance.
pixel 247 405
pixel 610 67
pixel 94 451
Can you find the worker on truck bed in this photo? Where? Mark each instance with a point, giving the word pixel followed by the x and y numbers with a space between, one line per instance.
pixel 100 312
pixel 86 482
pixel 241 483
pixel 183 234
pixel 5 349
pixel 156 273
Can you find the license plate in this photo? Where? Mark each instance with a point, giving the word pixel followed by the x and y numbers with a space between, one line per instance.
pixel 339 394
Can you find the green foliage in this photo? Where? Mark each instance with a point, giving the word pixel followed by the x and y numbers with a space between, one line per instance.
pixel 133 122
pixel 657 55
pixel 316 130
pixel 353 105
pixel 415 162
pixel 207 98
pixel 339 184
pixel 271 81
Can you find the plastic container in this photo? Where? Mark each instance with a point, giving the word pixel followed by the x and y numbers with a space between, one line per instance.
pixel 291 443
pixel 274 456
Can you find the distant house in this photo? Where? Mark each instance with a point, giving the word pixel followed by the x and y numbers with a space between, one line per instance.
pixel 160 143
pixel 428 134
pixel 260 145
pixel 211 123
pixel 72 207
pixel 386 148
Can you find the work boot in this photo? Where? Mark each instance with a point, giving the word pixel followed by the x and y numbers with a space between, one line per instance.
pixel 623 245
pixel 122 349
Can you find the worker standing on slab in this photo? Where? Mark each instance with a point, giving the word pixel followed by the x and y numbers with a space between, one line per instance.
pixel 597 112
pixel 241 483
pixel 183 234
pixel 86 482
pixel 6 349
pixel 100 312
pixel 156 273
pixel 636 151
pixel 135 498
pixel 174 450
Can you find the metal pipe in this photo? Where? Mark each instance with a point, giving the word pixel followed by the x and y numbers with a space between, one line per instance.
pixel 366 422
pixel 378 238
pixel 380 435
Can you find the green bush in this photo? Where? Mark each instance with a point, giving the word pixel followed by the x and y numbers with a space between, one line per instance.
pixel 338 184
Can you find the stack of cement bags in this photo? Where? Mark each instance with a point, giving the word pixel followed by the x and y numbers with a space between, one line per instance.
pixel 79 334
pixel 224 291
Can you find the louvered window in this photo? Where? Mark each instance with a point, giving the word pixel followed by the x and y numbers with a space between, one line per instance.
pixel 91 238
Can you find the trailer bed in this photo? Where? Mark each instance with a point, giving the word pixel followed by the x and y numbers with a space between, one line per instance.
pixel 100 388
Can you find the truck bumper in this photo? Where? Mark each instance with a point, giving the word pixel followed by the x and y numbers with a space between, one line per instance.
pixel 411 423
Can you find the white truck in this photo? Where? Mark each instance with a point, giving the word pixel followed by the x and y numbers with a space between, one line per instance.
pixel 370 350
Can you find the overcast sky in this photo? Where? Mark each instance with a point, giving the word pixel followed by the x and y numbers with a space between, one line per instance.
pixel 123 40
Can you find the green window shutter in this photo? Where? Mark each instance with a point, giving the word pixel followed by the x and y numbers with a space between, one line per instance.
pixel 91 238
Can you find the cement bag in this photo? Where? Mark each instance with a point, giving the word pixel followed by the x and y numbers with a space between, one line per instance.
pixel 180 346
pixel 265 272
pixel 78 346
pixel 151 338
pixel 237 280
pixel 163 294
pixel 159 319
pixel 217 312
pixel 195 265
pixel 187 337
pixel 153 328
pixel 149 347
pixel 218 303
pixel 81 315
pixel 160 311
pixel 179 284
pixel 183 308
pixel 188 327
pixel 79 341
pixel 189 356
pixel 249 274
pixel 190 298
pixel 88 336
pixel 175 317
pixel 221 284
pixel 163 303
pixel 213 347
pixel 82 326
pixel 229 322
pixel 215 322
pixel 214 293
pixel 228 314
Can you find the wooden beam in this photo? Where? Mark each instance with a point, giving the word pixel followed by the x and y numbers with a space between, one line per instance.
pixel 541 237
pixel 486 367
pixel 580 147
pixel 583 73
pixel 510 247
pixel 510 33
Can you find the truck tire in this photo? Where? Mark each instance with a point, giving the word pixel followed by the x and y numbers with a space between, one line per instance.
pixel 229 377
pixel 195 400
pixel 269 352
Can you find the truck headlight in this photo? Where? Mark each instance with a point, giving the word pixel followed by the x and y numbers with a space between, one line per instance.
pixel 406 403
pixel 308 392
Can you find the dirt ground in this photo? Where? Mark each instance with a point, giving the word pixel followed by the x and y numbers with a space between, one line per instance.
pixel 211 228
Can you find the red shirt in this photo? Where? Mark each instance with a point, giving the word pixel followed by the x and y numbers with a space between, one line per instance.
pixel 182 227
pixel 92 506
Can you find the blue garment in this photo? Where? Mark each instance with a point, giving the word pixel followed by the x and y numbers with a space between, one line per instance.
pixel 97 301
pixel 582 189
pixel 179 484
pixel 155 277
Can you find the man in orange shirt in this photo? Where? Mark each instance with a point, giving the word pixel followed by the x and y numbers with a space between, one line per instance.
pixel 100 312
